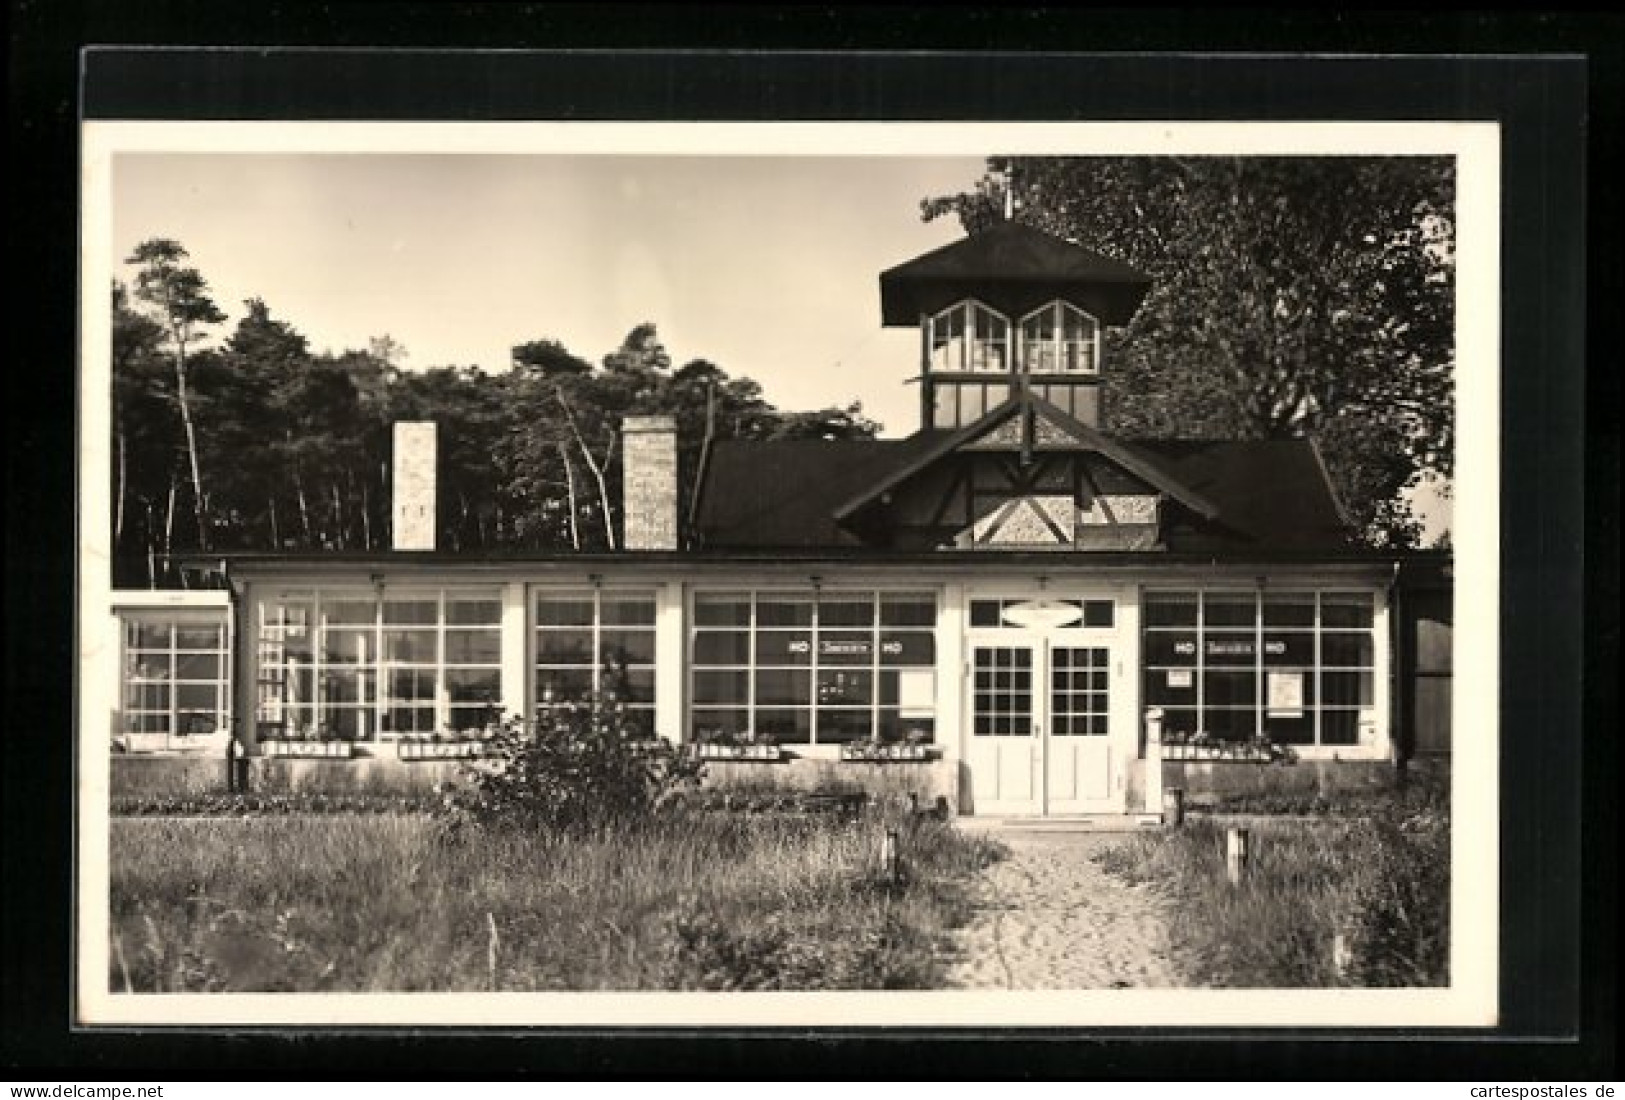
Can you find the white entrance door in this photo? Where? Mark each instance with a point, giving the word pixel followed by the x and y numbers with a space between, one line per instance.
pixel 1005 712
pixel 1078 766
pixel 1040 731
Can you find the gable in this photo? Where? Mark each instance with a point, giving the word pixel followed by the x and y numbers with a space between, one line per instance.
pixel 915 494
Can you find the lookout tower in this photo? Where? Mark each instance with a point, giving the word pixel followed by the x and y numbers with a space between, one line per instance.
pixel 1008 309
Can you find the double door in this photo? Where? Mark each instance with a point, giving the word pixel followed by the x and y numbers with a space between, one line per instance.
pixel 1041 722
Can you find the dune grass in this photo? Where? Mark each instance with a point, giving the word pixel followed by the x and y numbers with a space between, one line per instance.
pixel 390 902
pixel 1344 900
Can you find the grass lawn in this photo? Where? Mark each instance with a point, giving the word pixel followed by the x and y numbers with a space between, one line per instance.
pixel 385 902
pixel 1357 896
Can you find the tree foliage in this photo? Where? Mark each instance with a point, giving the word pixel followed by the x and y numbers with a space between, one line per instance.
pixel 296 443
pixel 1291 297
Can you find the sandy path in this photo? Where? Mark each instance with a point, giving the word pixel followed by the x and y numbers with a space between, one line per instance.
pixel 1048 917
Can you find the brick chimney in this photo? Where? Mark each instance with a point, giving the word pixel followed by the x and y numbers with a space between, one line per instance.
pixel 649 482
pixel 412 513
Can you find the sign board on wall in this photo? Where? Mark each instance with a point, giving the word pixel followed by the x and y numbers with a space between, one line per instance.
pixel 916 692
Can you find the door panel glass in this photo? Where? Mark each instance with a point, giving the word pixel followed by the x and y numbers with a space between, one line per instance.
pixel 1002 691
pixel 1078 690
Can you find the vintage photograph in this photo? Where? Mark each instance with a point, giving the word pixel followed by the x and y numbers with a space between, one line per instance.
pixel 1012 565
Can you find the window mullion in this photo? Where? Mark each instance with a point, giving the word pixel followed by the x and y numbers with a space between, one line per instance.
pixel 1258 662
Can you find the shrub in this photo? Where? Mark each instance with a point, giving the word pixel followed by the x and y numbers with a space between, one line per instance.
pixel 577 765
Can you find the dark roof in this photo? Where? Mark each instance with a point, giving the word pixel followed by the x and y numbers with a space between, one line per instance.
pixel 1014 268
pixel 1270 494
pixel 785 492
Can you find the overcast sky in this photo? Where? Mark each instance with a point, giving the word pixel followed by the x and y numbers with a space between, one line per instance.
pixel 767 266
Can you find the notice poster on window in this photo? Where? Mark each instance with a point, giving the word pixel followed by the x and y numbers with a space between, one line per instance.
pixel 1285 694
pixel 916 692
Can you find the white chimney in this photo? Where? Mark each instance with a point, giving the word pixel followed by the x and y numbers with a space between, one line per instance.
pixel 649 482
pixel 412 520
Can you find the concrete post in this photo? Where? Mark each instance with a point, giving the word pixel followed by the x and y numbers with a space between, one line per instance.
pixel 1237 854
pixel 1153 760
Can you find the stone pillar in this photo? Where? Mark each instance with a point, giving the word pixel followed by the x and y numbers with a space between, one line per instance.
pixel 649 482
pixel 412 513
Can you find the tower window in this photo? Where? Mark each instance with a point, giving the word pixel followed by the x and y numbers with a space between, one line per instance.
pixel 1060 339
pixel 969 336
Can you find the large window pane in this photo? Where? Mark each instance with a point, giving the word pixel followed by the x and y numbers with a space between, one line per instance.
pixel 1345 649
pixel 1340 727
pixel 1229 647
pixel 781 686
pixel 782 611
pixel 189 636
pixel 618 610
pixel 1229 609
pixel 1352 689
pixel 1170 609
pixel 731 609
pixel 473 612
pixel 350 612
pixel 635 647
pixel 474 685
pixel 574 610
pixel 1289 647
pixel 411 646
pixel 1289 609
pixel 909 610
pixel 716 647
pixel 908 647
pixel 840 726
pixel 1230 689
pixel 473 647
pixel 845 687
pixel 415 612
pixel 564 647
pixel 711 723
pixel 712 688
pixel 148 635
pixel 846 647
pixel 788 727
pixel 846 611
pixel 350 645
pixel 784 647
pixel 1346 609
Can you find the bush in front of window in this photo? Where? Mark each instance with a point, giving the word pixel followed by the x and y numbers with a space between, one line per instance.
pixel 579 763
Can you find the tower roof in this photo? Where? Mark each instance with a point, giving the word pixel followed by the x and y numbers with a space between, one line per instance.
pixel 1014 268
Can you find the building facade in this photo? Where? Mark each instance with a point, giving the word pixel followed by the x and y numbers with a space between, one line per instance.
pixel 1024 612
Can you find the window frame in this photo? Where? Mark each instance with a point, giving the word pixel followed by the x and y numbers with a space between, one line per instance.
pixel 536 630
pixel 815 709
pixel 171 683
pixel 970 309
pixel 375 677
pixel 1061 312
pixel 1315 669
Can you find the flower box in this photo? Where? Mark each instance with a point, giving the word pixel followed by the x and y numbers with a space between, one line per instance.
pixel 304 750
pixel 439 750
pixel 1242 751
pixel 738 752
pixel 868 752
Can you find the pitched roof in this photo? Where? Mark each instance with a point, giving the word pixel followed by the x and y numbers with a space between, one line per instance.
pixel 1013 267
pixel 1268 494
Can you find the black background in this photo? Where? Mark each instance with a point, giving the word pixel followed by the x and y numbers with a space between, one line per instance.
pixel 1560 445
